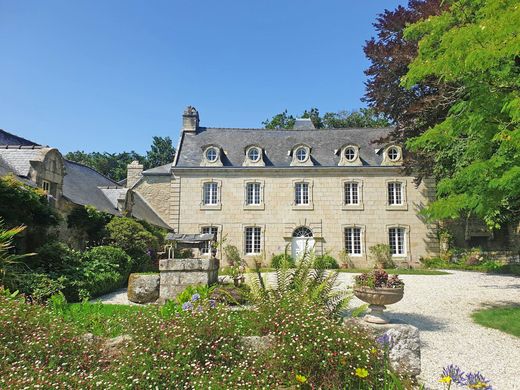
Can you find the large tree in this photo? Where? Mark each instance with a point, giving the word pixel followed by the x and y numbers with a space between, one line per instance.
pixel 474 148
pixel 412 110
pixel 113 165
pixel 364 117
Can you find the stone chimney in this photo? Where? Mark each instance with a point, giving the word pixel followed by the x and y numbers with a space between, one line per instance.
pixel 190 119
pixel 133 173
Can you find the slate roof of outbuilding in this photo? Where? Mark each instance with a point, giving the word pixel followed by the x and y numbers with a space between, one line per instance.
pixel 160 170
pixel 7 138
pixel 81 186
pixel 18 160
pixel 324 143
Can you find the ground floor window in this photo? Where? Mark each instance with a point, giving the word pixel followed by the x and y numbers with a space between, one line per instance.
pixel 396 240
pixel 353 240
pixel 252 240
pixel 206 249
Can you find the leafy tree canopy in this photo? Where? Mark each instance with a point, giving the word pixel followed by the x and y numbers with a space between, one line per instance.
pixel 364 117
pixel 475 45
pixel 113 165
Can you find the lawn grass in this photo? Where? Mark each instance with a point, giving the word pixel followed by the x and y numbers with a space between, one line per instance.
pixel 391 271
pixel 506 319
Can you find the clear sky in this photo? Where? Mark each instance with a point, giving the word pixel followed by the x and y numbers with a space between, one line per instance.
pixel 107 75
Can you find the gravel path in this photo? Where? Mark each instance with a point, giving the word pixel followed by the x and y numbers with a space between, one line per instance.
pixel 441 306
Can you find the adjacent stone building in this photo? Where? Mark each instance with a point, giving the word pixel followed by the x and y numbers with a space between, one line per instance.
pixel 267 190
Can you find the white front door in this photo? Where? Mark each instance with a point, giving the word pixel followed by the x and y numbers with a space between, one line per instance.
pixel 300 245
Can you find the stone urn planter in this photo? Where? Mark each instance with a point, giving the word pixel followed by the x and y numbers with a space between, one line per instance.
pixel 378 298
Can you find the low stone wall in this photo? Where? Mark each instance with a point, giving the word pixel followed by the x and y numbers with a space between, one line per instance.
pixel 177 274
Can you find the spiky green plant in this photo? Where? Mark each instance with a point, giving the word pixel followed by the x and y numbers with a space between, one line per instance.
pixel 303 282
pixel 8 259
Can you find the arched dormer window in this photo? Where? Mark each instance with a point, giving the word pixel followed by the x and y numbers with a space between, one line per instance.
pixel 392 155
pixel 254 156
pixel 301 156
pixel 349 155
pixel 211 156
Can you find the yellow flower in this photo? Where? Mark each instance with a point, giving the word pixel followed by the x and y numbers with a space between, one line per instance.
pixel 445 379
pixel 362 372
pixel 373 351
pixel 301 378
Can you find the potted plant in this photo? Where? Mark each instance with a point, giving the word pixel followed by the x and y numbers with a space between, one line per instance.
pixel 378 289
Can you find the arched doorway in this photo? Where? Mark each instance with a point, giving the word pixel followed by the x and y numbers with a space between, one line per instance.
pixel 302 240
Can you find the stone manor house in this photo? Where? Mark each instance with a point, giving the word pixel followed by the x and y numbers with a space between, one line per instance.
pixel 267 190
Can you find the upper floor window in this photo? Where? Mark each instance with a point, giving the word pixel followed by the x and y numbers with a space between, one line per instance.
pixel 253 194
pixel 211 154
pixel 351 193
pixel 210 193
pixel 301 154
pixel 396 240
pixel 253 240
pixel 206 249
pixel 253 154
pixel 395 193
pixel 393 153
pixel 350 153
pixel 353 240
pixel 301 193
pixel 46 186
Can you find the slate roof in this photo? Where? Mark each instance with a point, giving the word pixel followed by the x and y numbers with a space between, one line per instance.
pixel 17 159
pixel 277 143
pixel 142 210
pixel 11 139
pixel 81 186
pixel 160 170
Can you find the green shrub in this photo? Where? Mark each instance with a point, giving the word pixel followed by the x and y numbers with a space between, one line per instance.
pixel 231 294
pixel 382 256
pixel 326 262
pixel 276 260
pixel 134 239
pixel 56 258
pixel 110 255
pixel 89 221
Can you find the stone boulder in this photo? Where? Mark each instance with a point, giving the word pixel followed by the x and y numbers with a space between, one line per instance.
pixel 257 343
pixel 402 340
pixel 143 288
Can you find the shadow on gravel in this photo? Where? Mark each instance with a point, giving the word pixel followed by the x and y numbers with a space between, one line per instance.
pixel 498 305
pixel 421 322
pixel 503 287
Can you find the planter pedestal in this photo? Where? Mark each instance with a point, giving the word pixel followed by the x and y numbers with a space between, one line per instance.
pixel 377 298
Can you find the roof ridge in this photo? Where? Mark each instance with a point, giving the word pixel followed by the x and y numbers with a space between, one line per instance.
pixel 25 147
pixel 18 137
pixel 321 129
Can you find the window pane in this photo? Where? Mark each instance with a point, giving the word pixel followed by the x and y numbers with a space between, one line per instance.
pixel 351 193
pixel 253 240
pixel 396 240
pixel 301 193
pixel 210 196
pixel 395 196
pixel 253 194
pixel 353 241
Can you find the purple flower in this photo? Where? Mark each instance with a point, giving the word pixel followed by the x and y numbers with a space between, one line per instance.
pixel 195 297
pixel 385 340
pixel 187 306
pixel 455 373
pixel 477 381
pixel 212 303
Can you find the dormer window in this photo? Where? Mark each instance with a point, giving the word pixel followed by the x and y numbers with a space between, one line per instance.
pixel 211 154
pixel 253 154
pixel 301 154
pixel 392 155
pixel 350 153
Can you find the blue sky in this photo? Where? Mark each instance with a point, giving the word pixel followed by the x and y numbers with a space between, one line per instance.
pixel 107 75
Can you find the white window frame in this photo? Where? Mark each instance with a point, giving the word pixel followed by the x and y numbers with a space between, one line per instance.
pixel 255 236
pixel 391 195
pixel 301 196
pixel 307 161
pixel 301 193
pixel 386 158
pixel 216 203
pixel 394 232
pixel 352 206
pixel 352 236
pixel 253 193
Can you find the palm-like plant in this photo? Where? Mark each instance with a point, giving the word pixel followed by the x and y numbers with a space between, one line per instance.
pixel 304 282
pixel 8 259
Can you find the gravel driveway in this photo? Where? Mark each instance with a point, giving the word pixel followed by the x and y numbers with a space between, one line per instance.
pixel 440 306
